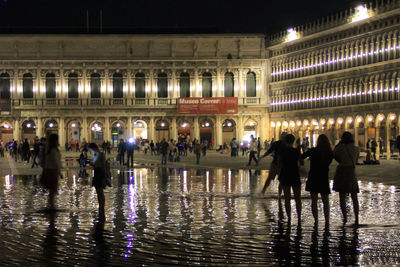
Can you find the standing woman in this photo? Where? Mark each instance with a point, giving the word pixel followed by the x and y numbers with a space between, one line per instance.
pixel 289 177
pixel 318 180
pixel 99 178
pixel 345 181
pixel 52 168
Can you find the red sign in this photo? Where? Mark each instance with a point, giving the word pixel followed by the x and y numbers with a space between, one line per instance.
pixel 207 105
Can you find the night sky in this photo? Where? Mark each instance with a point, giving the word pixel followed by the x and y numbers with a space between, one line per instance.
pixel 155 16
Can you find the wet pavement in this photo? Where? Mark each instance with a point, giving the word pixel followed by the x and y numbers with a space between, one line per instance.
pixel 188 217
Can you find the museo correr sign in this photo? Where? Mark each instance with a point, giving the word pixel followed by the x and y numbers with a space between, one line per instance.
pixel 207 105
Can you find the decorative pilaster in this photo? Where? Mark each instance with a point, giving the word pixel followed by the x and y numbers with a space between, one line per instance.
pixel 62 135
pixel 196 128
pixel 174 132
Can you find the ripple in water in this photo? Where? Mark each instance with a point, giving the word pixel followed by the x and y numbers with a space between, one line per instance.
pixel 188 217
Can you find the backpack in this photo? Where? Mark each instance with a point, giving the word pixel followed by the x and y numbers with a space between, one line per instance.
pixel 108 173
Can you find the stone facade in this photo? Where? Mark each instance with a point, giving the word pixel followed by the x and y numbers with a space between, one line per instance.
pixel 69 84
pixel 341 73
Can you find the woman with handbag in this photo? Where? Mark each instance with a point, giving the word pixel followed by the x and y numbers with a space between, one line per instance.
pixel 99 177
pixel 345 181
pixel 52 169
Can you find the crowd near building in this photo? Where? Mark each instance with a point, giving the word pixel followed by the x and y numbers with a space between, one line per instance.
pixel 337 73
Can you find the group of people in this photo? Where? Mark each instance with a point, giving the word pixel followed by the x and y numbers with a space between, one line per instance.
pixel 287 158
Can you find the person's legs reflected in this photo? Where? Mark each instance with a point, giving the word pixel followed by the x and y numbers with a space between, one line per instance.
pixel 356 207
pixel 101 200
pixel 325 202
pixel 273 171
pixel 342 197
pixel 314 206
pixel 287 196
pixel 297 198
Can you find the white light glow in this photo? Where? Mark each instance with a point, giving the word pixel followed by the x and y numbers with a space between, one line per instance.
pixel 51 125
pixel 272 124
pixel 278 124
pixel 73 125
pixel 207 124
pixel 323 122
pixel 370 119
pixel 392 117
pixel 6 126
pixel 331 122
pixel 340 121
pixel 118 124
pixel 314 99
pixel 361 14
pixel 380 118
pixel 299 123
pixel 285 124
pixel 162 124
pixel 349 120
pixel 291 35
pixel 292 124
pixel 359 120
pixel 28 125
pixel 336 60
pixel 229 124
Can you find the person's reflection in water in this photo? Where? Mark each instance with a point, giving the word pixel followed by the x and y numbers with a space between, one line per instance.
pixel 100 253
pixel 348 248
pixel 163 196
pixel 325 247
pixel 50 241
pixel 320 253
pixel 253 181
pixel 121 178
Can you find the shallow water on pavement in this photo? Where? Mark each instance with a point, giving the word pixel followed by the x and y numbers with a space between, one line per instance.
pixel 188 217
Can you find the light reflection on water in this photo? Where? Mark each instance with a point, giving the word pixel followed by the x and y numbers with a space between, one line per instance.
pixel 188 216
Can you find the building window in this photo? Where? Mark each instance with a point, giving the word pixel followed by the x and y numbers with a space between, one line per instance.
pixel 162 84
pixel 251 85
pixel 73 85
pixel 229 85
pixel 140 85
pixel 4 86
pixel 50 85
pixel 207 85
pixel 184 85
pixel 27 86
pixel 95 85
pixel 118 86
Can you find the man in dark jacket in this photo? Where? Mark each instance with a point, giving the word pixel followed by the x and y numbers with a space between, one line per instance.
pixel 130 148
pixel 121 152
pixel 35 153
pixel 25 150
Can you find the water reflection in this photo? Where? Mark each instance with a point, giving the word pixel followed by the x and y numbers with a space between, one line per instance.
pixel 188 216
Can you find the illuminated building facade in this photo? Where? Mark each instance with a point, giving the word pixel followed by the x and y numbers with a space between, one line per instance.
pixel 108 87
pixel 339 73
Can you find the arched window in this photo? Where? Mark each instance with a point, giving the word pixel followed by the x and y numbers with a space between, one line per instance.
pixel 118 85
pixel 27 86
pixel 184 84
pixel 95 85
pixel 140 91
pixel 50 85
pixel 73 85
pixel 251 85
pixel 207 84
pixel 4 86
pixel 162 84
pixel 229 85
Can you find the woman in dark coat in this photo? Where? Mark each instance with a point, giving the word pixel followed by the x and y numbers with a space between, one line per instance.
pixel 318 180
pixel 99 177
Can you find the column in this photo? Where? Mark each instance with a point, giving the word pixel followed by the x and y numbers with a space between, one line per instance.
pixel 174 133
pixel 61 132
pixel 377 135
pixel 39 128
pixel 16 130
pixel 366 137
pixel 152 129
pixel 84 131
pixel 196 134
pixel 355 135
pixel 107 129
pixel 218 131
pixel 388 133
pixel 129 128
pixel 239 129
pixel 264 126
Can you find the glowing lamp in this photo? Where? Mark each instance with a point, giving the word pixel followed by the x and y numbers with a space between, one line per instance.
pixel 340 121
pixel 392 117
pixel 162 124
pixel 229 124
pixel 380 118
pixel 323 122
pixel 278 124
pixel 331 122
pixel 349 120
pixel 207 124
pixel 272 124
pixel 118 124
pixel 51 125
pixel 28 125
pixel 299 123
pixel 370 119
pixel 73 125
